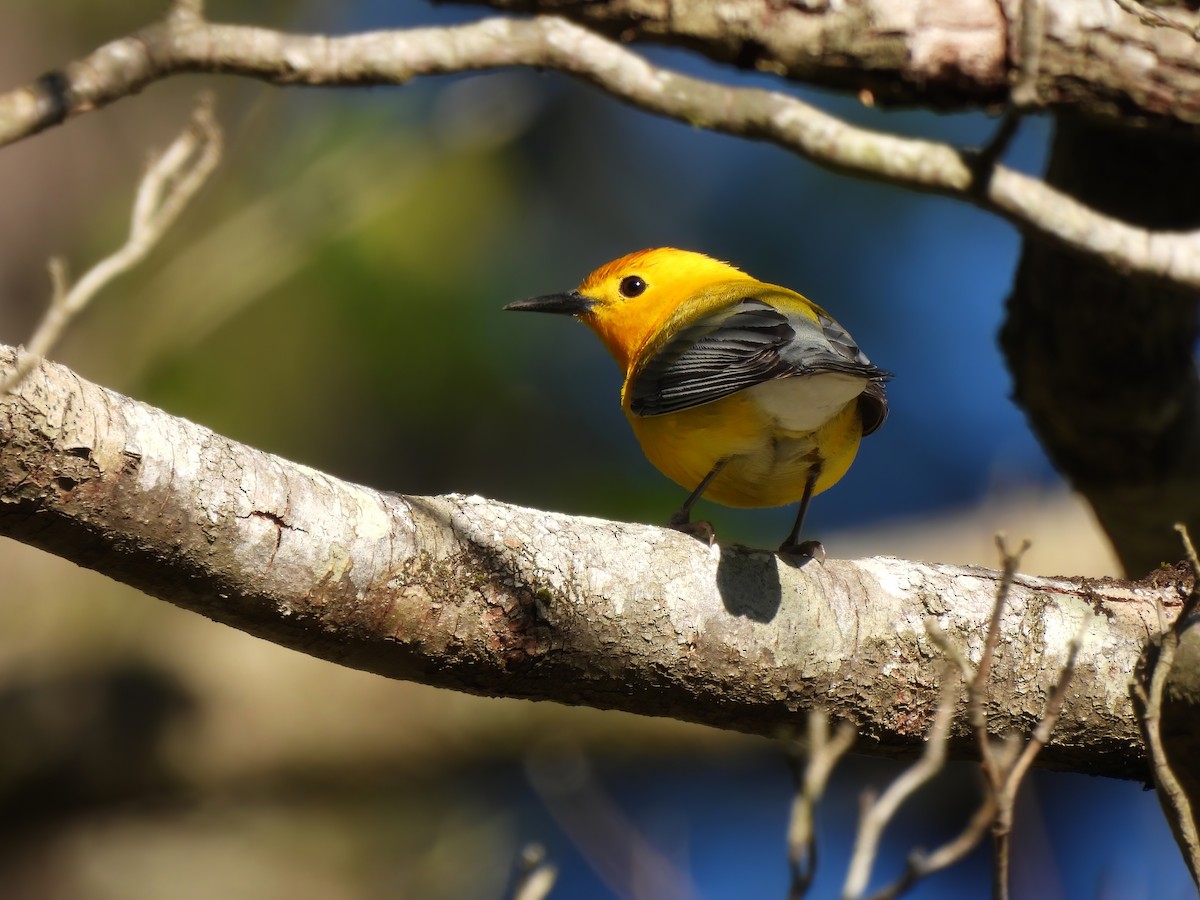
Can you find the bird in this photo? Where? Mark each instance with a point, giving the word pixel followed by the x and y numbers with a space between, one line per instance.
pixel 739 391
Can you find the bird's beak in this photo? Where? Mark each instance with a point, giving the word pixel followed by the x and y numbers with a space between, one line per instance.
pixel 571 303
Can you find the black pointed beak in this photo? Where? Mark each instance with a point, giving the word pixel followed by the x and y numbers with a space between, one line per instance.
pixel 571 303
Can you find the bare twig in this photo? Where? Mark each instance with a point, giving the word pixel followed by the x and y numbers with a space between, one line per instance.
pixel 812 763
pixel 1006 763
pixel 171 180
pixel 922 865
pixel 995 758
pixel 881 812
pixel 186 43
pixel 1041 732
pixel 1172 795
pixel 1016 761
pixel 983 161
pixel 956 656
pixel 1022 96
pixel 1155 19
pixel 978 685
pixel 1188 546
pixel 535 875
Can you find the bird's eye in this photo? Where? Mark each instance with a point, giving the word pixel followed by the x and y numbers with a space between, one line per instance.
pixel 632 286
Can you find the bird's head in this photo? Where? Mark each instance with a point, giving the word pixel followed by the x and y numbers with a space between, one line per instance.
pixel 627 300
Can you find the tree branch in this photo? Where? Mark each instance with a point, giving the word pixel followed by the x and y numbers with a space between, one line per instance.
pixel 1106 59
pixel 488 598
pixel 183 42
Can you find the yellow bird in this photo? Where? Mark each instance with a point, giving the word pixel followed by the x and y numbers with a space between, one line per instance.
pixel 739 391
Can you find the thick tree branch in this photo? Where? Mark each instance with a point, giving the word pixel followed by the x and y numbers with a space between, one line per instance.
pixel 184 43
pixel 1108 59
pixel 484 597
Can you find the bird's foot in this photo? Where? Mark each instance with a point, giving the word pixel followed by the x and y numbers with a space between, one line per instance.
pixel 801 552
pixel 701 531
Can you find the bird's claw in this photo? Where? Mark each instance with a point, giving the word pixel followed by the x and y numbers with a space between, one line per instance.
pixel 701 531
pixel 802 551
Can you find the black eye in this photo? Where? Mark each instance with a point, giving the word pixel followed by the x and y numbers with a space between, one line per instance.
pixel 631 286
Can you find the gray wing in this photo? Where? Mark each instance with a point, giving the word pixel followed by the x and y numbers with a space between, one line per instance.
pixel 743 345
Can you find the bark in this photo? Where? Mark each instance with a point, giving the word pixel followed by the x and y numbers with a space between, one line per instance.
pixel 481 596
pixel 1091 57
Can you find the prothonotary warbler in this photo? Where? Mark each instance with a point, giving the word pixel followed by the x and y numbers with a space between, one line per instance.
pixel 743 392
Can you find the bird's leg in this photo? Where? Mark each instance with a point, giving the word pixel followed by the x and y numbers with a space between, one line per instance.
pixel 793 546
pixel 682 518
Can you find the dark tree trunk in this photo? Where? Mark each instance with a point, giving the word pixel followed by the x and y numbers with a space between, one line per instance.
pixel 1103 363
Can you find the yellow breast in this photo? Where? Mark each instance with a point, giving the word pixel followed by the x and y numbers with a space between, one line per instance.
pixel 768 463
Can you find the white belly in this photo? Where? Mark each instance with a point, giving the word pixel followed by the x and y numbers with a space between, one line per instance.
pixel 804 403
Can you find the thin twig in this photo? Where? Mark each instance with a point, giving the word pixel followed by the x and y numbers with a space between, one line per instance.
pixel 1013 763
pixel 1006 763
pixel 1041 732
pixel 1021 96
pixel 1171 793
pixel 956 656
pixel 535 876
pixel 812 763
pixel 983 672
pixel 876 818
pixel 983 161
pixel 1155 19
pixel 922 865
pixel 994 761
pixel 170 182
pixel 1188 547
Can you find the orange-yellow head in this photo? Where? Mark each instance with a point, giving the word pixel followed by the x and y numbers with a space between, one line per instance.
pixel 627 300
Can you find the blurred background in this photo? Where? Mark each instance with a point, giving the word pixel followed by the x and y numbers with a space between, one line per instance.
pixel 334 296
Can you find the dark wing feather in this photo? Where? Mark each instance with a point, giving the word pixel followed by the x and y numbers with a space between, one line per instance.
pixel 872 402
pixel 873 406
pixel 738 347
